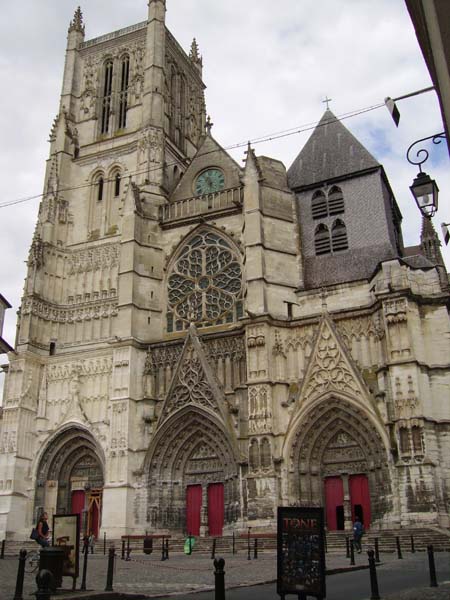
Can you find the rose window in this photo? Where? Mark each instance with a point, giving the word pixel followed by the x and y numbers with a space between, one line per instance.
pixel 205 283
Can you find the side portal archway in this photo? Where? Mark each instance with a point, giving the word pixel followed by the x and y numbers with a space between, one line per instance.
pixel 338 460
pixel 70 478
pixel 192 472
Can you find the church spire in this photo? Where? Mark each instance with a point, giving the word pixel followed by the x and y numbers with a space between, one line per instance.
pixel 431 248
pixel 77 22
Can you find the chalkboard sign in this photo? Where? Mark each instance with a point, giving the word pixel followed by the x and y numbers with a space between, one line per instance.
pixel 301 552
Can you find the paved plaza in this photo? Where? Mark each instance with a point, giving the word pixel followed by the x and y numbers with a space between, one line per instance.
pixel 148 576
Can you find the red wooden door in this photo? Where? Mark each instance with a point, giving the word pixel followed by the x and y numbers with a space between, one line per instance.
pixel 193 509
pixel 334 501
pixel 215 508
pixel 360 498
pixel 78 502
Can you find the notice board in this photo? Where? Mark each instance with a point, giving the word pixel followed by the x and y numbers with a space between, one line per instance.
pixel 301 552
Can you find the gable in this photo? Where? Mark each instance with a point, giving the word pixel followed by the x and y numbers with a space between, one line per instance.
pixel 332 369
pixel 194 383
pixel 209 155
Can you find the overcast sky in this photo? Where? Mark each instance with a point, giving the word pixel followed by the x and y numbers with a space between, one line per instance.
pixel 267 66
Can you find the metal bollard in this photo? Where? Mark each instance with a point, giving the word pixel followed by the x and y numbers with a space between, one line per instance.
pixel 2 552
pixel 45 582
pixel 167 548
pixel 375 594
pixel 412 545
pixel 85 561
pixel 163 549
pixel 347 547
pixel 377 551
pixel 352 553
pixel 433 581
pixel 128 549
pixel 213 551
pixel 104 544
pixel 110 572
pixel 255 549
pixel 18 594
pixel 325 541
pixel 248 545
pixel 234 544
pixel 123 550
pixel 399 550
pixel 219 579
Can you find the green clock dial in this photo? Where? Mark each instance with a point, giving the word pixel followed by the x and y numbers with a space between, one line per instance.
pixel 209 181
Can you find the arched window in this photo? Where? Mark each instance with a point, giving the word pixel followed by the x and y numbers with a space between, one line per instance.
pixel 266 455
pixel 319 205
pixel 107 96
pixel 123 94
pixel 416 433
pixel 100 186
pixel 339 236
pixel 322 242
pixel 404 441
pixel 117 180
pixel 205 282
pixel 335 201
pixel 253 455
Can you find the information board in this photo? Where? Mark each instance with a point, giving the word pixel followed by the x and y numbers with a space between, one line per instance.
pixel 66 535
pixel 301 552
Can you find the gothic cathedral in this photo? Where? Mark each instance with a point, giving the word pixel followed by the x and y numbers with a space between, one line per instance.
pixel 200 342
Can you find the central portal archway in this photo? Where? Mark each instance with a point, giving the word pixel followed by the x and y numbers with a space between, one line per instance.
pixel 338 460
pixel 192 475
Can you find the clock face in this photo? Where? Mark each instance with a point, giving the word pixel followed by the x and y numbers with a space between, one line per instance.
pixel 209 181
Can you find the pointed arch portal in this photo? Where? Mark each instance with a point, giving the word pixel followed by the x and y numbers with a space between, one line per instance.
pixel 192 475
pixel 338 460
pixel 70 478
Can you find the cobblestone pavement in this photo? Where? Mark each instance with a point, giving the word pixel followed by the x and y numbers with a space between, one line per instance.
pixel 149 576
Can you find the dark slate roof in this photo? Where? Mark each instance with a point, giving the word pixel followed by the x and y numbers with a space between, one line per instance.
pixel 331 151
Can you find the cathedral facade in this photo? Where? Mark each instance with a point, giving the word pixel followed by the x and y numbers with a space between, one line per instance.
pixel 200 342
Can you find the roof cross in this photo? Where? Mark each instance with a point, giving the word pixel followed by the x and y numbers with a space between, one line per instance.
pixel 327 101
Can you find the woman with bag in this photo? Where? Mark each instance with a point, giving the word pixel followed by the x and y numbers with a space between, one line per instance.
pixel 42 531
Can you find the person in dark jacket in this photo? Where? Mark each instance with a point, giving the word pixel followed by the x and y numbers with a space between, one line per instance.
pixel 43 529
pixel 357 534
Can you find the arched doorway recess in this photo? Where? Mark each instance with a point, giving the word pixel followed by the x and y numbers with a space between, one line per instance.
pixel 192 475
pixel 338 460
pixel 70 478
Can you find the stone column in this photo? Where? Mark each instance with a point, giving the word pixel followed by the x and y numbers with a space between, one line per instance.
pixel 348 524
pixel 204 511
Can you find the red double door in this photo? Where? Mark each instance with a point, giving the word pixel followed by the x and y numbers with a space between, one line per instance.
pixel 215 509
pixel 359 499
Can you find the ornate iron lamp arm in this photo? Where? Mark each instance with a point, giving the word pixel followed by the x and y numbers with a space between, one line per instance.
pixel 422 154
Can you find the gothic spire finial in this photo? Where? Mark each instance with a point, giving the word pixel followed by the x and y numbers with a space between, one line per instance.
pixel 194 53
pixel 77 22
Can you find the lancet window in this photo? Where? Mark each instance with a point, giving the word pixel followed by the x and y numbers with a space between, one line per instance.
pixel 114 94
pixel 204 283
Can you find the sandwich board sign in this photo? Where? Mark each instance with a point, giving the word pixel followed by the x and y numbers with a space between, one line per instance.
pixel 301 552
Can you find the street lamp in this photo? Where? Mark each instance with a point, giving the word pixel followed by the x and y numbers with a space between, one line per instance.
pixel 425 192
pixel 424 189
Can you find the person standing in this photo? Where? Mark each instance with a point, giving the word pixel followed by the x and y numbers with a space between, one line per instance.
pixel 357 534
pixel 43 529
pixel 91 542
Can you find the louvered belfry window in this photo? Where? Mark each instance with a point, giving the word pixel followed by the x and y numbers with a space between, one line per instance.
pixel 319 205
pixel 335 201
pixel 339 236
pixel 322 242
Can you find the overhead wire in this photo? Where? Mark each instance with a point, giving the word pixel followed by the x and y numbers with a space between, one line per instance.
pixel 259 140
